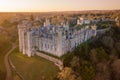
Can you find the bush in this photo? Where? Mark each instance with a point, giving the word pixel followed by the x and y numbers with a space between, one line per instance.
pixel 67 58
pixel 87 70
pixel 101 54
pixel 82 51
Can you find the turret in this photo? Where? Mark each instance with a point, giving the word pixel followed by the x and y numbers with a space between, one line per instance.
pixel 80 21
pixel 94 27
pixel 47 22
pixel 66 26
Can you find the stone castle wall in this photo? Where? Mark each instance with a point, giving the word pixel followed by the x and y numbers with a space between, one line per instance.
pixel 57 62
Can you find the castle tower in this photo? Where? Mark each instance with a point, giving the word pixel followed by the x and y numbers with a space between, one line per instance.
pixel 29 43
pixel 20 38
pixel 94 27
pixel 59 48
pixel 78 22
pixel 66 26
pixel 21 33
pixel 117 21
pixel 86 35
pixel 47 22
pixel 23 41
pixel 22 29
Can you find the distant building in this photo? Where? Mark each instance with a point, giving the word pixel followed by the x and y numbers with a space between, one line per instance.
pixel 82 21
pixel 117 21
pixel 54 39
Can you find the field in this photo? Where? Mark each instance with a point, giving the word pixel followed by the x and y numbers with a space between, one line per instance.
pixel 4 47
pixel 33 68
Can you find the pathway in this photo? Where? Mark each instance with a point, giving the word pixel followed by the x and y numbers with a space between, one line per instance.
pixel 7 65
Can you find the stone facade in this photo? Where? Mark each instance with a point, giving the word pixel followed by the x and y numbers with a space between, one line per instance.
pixel 54 39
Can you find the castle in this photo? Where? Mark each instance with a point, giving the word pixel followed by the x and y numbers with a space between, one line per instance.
pixel 54 39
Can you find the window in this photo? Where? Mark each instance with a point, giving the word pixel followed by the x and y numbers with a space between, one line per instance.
pixel 41 44
pixel 48 46
pixel 51 47
pixel 45 45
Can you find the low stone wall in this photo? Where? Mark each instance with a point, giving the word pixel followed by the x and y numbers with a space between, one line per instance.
pixel 102 31
pixel 56 61
pixel 13 67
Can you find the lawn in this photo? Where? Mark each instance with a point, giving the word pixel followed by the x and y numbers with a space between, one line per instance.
pixel 33 68
pixel 4 48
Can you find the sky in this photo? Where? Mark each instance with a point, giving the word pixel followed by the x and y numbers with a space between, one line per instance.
pixel 57 5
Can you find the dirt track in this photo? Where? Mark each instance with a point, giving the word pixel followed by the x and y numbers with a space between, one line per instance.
pixel 7 65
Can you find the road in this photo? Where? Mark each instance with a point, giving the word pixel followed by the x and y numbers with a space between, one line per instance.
pixel 7 65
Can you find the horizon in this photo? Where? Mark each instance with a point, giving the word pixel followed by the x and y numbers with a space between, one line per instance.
pixel 58 11
pixel 57 5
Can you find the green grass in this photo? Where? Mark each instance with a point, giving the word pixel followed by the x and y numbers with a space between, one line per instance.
pixel 3 51
pixel 33 68
pixel 4 48
pixel 15 76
